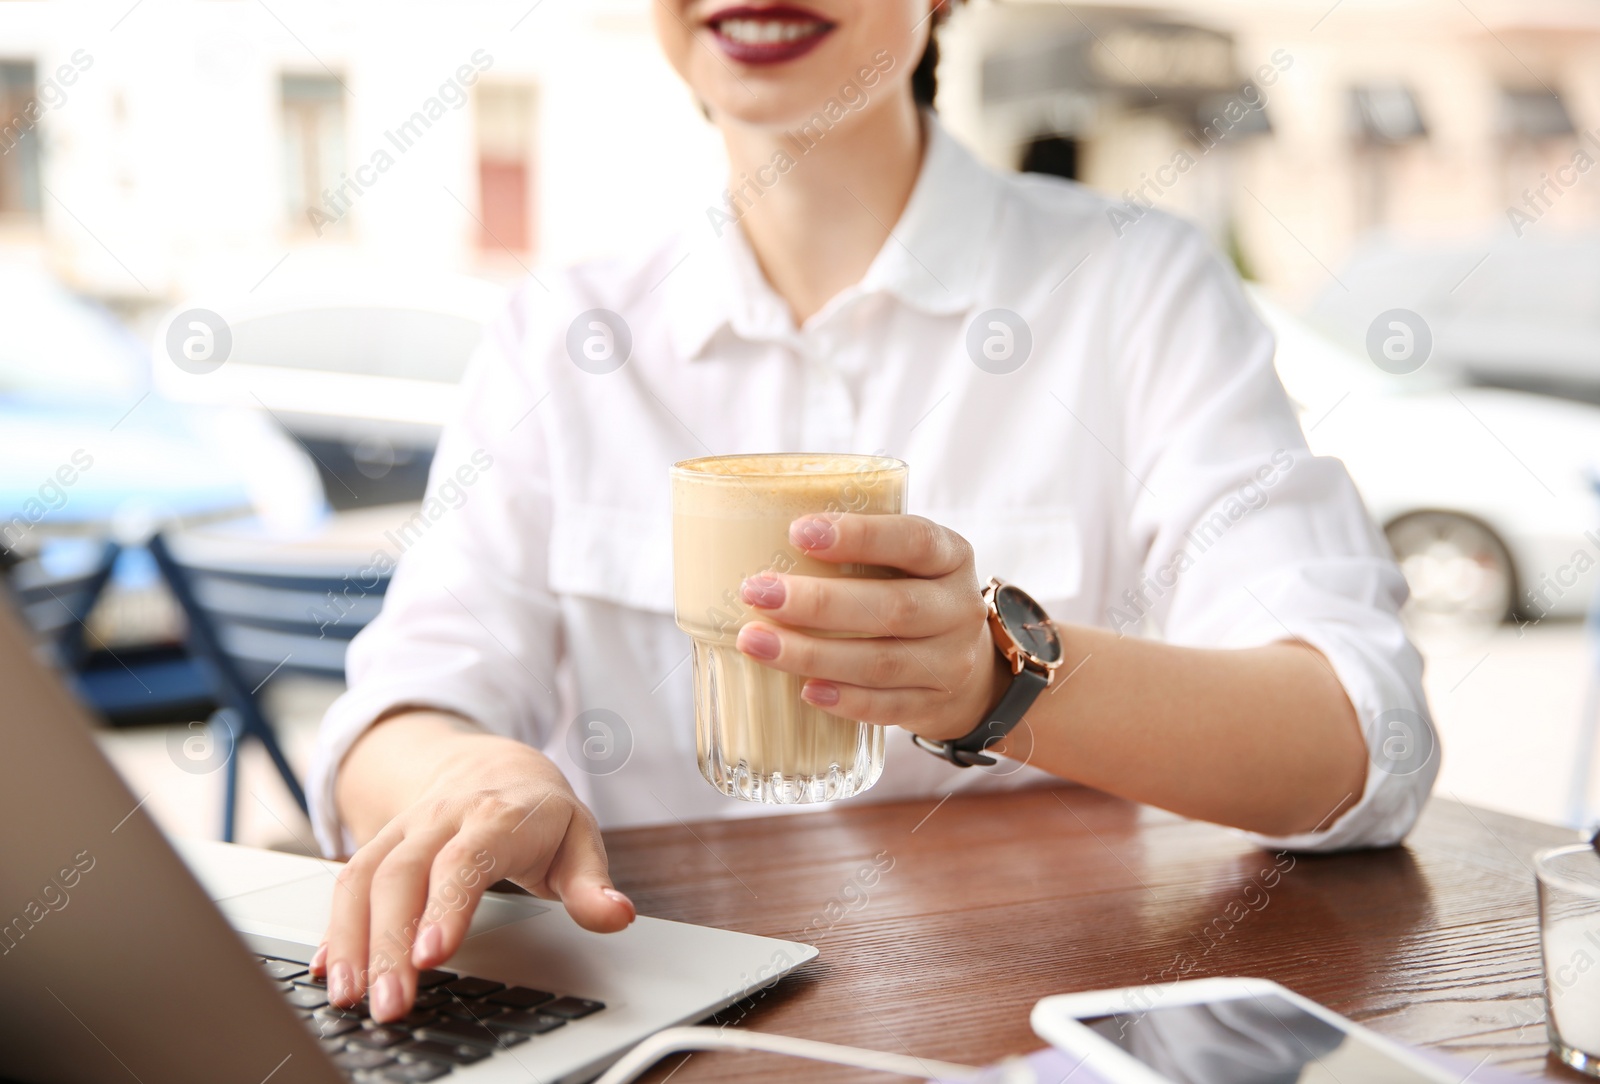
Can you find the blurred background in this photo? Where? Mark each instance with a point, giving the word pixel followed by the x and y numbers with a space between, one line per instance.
pixel 246 249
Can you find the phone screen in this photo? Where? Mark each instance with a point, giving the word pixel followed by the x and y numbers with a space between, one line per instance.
pixel 1253 1039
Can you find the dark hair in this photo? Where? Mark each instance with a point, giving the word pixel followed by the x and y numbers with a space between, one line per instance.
pixel 925 79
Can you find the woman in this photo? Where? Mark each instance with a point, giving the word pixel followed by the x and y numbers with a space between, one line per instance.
pixel 1089 410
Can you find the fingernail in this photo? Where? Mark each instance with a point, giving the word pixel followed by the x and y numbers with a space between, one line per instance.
pixel 812 533
pixel 616 897
pixel 386 996
pixel 341 984
pixel 429 943
pixel 758 643
pixel 319 959
pixel 763 590
pixel 824 694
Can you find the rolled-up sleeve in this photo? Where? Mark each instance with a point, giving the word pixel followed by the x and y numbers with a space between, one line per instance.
pixel 469 624
pixel 1246 537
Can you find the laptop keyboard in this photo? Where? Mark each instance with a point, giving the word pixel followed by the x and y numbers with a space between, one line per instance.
pixel 457 1020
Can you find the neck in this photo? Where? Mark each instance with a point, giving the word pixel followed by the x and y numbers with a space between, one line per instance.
pixel 817 228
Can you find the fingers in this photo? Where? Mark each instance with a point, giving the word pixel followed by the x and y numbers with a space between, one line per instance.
pixel 399 890
pixel 905 607
pixel 878 663
pixel 405 900
pixel 909 708
pixel 580 875
pixel 917 546
pixel 463 870
pixel 348 921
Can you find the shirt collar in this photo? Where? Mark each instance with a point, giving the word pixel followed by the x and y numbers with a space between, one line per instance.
pixel 932 261
pixel 937 252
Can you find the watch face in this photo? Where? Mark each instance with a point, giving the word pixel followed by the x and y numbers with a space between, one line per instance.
pixel 1027 624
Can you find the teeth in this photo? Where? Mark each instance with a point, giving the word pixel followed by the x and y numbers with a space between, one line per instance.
pixel 766 31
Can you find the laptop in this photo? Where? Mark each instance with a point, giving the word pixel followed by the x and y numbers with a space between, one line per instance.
pixel 123 959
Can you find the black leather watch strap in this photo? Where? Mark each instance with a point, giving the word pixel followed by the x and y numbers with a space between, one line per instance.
pixel 968 750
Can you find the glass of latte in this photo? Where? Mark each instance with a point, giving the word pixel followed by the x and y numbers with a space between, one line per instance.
pixel 755 738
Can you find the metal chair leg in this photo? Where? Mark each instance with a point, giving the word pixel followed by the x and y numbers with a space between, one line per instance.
pixel 205 641
pixel 225 731
pixel 256 724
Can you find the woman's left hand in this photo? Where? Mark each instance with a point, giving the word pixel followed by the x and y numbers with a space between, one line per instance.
pixel 922 659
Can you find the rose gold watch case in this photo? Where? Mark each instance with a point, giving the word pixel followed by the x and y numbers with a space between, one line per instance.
pixel 1014 653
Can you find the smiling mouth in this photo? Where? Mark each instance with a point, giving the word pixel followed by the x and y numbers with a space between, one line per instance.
pixel 768 35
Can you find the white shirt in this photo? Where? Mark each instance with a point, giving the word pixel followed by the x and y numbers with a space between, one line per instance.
pixel 1142 469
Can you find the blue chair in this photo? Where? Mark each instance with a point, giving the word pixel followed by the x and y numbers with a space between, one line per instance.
pixel 57 607
pixel 125 686
pixel 257 615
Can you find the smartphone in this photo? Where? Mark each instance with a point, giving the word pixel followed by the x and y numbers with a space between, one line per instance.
pixel 1221 1031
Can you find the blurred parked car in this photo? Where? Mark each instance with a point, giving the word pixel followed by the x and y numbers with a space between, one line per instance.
pixel 1505 311
pixel 91 448
pixel 1484 493
pixel 361 366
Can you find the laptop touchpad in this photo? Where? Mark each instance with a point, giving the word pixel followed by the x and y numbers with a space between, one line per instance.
pixel 298 910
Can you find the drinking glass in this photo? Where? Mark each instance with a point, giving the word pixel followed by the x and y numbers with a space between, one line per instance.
pixel 755 738
pixel 1569 936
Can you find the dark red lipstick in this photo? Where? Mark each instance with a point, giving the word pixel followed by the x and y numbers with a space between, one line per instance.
pixel 767 35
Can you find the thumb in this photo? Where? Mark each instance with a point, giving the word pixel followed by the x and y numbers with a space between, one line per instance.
pixel 579 875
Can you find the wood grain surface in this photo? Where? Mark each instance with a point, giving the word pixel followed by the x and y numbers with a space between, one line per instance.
pixel 941 923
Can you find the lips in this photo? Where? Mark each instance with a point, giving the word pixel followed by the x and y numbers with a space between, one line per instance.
pixel 767 35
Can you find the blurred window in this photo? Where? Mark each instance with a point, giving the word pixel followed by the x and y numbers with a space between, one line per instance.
pixel 506 138
pixel 1385 115
pixel 1241 112
pixel 1126 52
pixel 313 146
pixel 1533 114
pixel 19 140
pixel 1173 56
pixel 1054 155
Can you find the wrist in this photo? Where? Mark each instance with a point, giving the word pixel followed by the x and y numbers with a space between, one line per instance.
pixel 1000 678
pixel 1001 675
pixel 393 761
pixel 978 695
pixel 1028 653
pixel 405 743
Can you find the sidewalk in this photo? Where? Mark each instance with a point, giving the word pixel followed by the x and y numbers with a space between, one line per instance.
pixel 1507 708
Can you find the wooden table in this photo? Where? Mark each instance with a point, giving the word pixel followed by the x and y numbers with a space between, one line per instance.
pixel 980 906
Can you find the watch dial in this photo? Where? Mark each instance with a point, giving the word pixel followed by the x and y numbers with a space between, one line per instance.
pixel 1027 624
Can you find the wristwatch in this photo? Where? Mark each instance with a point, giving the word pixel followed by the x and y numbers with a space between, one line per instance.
pixel 1024 636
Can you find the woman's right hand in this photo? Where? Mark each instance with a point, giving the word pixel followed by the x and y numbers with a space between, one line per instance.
pixel 481 808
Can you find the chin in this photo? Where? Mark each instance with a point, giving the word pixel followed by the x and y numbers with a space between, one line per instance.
pixel 778 109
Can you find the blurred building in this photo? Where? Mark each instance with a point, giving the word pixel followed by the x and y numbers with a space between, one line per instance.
pixel 152 151
pixel 1292 129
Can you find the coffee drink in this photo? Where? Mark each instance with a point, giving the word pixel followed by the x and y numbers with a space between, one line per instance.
pixel 756 738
